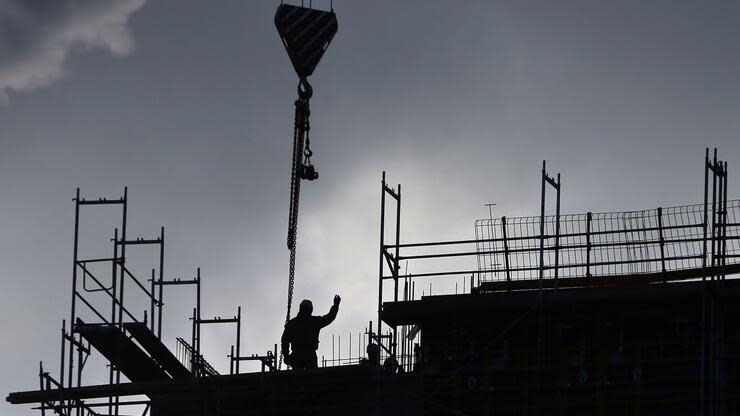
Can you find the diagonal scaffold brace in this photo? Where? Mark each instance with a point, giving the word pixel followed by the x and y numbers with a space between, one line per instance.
pixel 306 34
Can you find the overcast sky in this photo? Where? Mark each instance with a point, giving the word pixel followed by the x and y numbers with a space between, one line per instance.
pixel 190 105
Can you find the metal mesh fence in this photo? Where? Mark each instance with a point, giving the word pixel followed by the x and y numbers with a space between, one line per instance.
pixel 605 244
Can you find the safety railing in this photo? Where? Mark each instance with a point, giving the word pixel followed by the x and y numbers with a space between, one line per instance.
pixel 611 244
pixel 185 353
pixel 605 244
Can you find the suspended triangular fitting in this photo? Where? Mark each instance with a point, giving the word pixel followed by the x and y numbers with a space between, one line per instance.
pixel 306 33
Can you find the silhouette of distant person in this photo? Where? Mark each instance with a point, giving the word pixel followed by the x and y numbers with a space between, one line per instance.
pixel 390 365
pixel 301 335
pixel 418 361
pixel 373 355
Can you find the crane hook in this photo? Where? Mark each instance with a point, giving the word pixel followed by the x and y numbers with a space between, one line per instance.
pixel 305 91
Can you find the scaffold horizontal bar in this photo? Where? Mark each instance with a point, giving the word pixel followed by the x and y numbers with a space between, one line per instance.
pixel 216 321
pixel 546 236
pixel 140 241
pixel 99 260
pixel 76 343
pixel 533 268
pixel 175 282
pixel 628 279
pixel 120 403
pixel 101 201
pixel 561 247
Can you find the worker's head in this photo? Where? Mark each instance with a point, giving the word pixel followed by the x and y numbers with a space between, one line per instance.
pixel 373 353
pixel 306 307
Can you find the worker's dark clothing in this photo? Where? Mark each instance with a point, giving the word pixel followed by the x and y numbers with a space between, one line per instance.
pixel 302 359
pixel 302 334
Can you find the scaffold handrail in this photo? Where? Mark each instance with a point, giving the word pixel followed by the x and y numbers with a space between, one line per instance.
pixel 185 353
pixel 588 244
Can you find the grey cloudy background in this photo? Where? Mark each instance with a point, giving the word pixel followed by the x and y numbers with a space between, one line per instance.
pixel 190 105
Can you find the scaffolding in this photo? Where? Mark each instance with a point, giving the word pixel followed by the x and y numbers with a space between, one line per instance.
pixel 698 242
pixel 130 343
pixel 535 261
pixel 555 250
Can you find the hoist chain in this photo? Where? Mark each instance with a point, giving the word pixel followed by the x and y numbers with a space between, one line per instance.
pixel 300 132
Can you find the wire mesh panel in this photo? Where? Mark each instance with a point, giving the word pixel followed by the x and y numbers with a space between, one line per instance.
pixel 606 244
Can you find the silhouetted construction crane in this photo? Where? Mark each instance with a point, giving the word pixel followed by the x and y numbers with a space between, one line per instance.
pixel 306 33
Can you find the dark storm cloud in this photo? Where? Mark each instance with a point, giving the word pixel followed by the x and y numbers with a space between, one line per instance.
pixel 37 35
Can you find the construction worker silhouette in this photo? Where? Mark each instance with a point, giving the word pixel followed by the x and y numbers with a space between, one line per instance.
pixel 373 355
pixel 302 335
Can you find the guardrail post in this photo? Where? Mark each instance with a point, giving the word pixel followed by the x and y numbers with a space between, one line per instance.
pixel 588 244
pixel 506 250
pixel 662 241
pixel 542 231
pixel 193 358
pixel 557 233
pixel 231 361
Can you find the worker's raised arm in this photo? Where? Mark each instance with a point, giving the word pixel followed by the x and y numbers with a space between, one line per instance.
pixel 329 317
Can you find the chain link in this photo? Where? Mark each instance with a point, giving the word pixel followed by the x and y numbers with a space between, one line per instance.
pixel 300 132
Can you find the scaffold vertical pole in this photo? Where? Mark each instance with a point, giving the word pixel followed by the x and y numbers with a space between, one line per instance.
pixel 542 231
pixel 74 286
pixel 588 244
pixel 396 267
pixel 381 250
pixel 194 359
pixel 724 221
pixel 64 343
pixel 506 249
pixel 661 241
pixel 197 312
pixel 114 290
pixel 702 346
pixel 161 280
pixel 41 384
pixel 557 232
pixel 238 336
pixel 152 301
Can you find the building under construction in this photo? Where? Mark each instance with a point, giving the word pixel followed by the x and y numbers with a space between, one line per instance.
pixel 596 313
pixel 580 314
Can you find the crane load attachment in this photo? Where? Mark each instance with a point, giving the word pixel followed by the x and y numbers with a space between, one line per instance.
pixel 306 33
